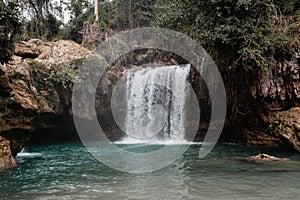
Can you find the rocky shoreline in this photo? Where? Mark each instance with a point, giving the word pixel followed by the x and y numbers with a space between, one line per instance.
pixel 263 106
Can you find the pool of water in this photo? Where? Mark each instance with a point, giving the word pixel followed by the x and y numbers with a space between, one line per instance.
pixel 68 171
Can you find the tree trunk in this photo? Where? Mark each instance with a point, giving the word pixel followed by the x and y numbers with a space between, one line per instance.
pixel 96 11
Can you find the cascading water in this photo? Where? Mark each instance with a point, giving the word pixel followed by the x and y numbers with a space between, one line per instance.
pixel 156 99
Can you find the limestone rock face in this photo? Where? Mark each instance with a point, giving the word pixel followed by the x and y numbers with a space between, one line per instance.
pixel 27 50
pixel 256 99
pixel 30 98
pixel 48 53
pixel 6 159
pixel 61 51
pixel 22 97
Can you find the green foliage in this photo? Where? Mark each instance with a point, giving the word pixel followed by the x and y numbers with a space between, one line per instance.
pixel 37 24
pixel 48 79
pixel 114 15
pixel 72 31
pixel 288 7
pixel 132 14
pixel 107 15
pixel 47 30
pixel 62 75
pixel 53 25
pixel 17 75
pixel 278 125
pixel 76 7
pixel 44 18
pixel 236 32
pixel 41 76
pixel 9 30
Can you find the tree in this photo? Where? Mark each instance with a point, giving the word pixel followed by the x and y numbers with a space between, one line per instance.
pixel 41 14
pixel 288 8
pixel 80 12
pixel 53 26
pixel 37 10
pixel 9 29
pixel 96 9
pixel 134 13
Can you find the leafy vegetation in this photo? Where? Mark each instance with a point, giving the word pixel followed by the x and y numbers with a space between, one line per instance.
pixel 236 32
pixel 48 79
pixel 133 14
pixel 80 11
pixel 42 22
pixel 288 8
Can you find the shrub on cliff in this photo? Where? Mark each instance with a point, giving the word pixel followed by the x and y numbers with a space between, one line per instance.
pixel 47 79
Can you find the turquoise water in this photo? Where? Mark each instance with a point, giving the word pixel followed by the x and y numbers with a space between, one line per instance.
pixel 68 171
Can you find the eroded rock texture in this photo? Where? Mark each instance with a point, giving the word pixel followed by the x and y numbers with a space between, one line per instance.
pixel 35 89
pixel 6 159
pixel 256 97
pixel 286 126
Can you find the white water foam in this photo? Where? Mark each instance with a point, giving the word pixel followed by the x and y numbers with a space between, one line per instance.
pixel 23 153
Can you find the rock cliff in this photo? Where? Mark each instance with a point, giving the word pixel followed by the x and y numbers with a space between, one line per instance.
pixel 256 97
pixel 36 89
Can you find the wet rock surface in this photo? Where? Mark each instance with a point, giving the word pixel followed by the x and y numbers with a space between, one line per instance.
pixel 266 158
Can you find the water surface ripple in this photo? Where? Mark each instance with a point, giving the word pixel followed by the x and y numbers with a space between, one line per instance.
pixel 68 171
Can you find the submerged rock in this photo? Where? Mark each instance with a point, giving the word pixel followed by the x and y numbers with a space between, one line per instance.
pixel 266 157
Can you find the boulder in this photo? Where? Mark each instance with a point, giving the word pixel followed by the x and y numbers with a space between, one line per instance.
pixel 266 157
pixel 49 53
pixel 27 50
pixel 6 159
pixel 286 126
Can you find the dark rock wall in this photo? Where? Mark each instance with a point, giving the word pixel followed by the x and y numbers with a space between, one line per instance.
pixel 256 96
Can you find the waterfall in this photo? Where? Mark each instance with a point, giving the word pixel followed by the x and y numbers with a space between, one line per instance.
pixel 155 101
